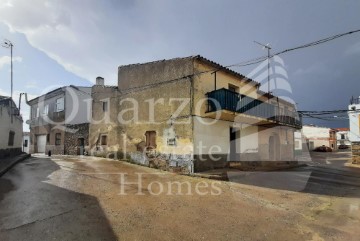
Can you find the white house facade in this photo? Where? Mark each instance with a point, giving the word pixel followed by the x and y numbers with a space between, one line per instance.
pixel 11 128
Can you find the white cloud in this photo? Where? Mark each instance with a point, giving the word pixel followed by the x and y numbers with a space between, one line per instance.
pixel 89 39
pixel 6 60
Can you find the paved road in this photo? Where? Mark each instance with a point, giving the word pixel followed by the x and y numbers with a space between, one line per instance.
pixel 33 209
pixel 71 198
pixel 326 174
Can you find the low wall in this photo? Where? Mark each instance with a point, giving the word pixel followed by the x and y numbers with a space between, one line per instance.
pixel 9 152
pixel 262 165
pixel 210 162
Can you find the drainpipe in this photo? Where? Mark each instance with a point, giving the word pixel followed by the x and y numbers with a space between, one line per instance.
pixel 214 73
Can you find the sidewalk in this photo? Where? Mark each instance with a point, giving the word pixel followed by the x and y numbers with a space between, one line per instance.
pixel 7 163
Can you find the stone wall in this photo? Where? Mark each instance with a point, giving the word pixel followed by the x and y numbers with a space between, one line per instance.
pixel 72 136
pixel 355 149
pixel 8 152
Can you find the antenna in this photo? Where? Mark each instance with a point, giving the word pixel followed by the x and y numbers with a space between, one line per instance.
pixel 268 47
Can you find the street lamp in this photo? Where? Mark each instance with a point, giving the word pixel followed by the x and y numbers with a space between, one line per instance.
pixel 8 44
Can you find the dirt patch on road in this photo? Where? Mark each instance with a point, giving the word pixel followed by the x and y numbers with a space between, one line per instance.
pixel 144 208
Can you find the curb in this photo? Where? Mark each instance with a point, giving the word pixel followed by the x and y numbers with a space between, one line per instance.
pixel 18 159
pixel 223 176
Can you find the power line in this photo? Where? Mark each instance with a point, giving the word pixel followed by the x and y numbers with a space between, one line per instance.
pixel 321 41
pixel 252 61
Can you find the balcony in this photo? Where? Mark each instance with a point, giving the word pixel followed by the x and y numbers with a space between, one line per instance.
pixel 54 117
pixel 265 113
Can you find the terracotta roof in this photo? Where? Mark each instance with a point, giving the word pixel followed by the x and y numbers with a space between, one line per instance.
pixel 343 129
pixel 217 67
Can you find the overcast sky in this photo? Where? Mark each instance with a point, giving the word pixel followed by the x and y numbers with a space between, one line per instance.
pixel 64 42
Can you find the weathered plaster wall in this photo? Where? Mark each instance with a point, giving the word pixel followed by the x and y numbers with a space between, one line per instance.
pixel 140 75
pixel 77 104
pixel 318 135
pixel 8 124
pixel 50 130
pixel 169 118
pixel 104 123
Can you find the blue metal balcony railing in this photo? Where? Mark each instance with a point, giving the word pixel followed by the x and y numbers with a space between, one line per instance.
pixel 224 99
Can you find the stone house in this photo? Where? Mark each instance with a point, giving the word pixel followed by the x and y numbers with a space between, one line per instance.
pixel 59 121
pixel 316 136
pixel 10 128
pixel 190 114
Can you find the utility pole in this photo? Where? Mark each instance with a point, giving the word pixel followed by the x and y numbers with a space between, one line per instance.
pixel 268 47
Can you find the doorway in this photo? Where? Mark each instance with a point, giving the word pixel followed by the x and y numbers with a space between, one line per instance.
pixel 274 148
pixel 81 146
pixel 41 143
pixel 233 155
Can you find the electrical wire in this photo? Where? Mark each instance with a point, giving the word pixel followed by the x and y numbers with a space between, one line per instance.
pixel 314 43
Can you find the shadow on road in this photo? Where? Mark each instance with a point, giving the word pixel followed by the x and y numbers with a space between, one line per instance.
pixel 32 209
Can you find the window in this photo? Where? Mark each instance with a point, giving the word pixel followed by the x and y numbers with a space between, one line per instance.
pixel 47 138
pixel 342 136
pixel 33 112
pixel 25 143
pixel 46 110
pixel 171 142
pixel 150 139
pixel 37 112
pixel 105 106
pixel 58 139
pixel 59 104
pixel 11 138
pixel 104 140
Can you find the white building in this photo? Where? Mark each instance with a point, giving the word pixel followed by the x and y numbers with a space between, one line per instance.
pixel 298 142
pixel 11 128
pixel 354 120
pixel 316 136
pixel 354 123
pixel 59 121
pixel 26 142
pixel 342 136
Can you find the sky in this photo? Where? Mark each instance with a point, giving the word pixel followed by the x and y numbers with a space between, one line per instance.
pixel 63 42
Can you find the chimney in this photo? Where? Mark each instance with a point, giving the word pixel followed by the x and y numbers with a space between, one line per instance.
pixel 100 81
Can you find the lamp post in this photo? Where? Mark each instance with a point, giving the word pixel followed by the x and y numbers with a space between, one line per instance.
pixel 8 44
